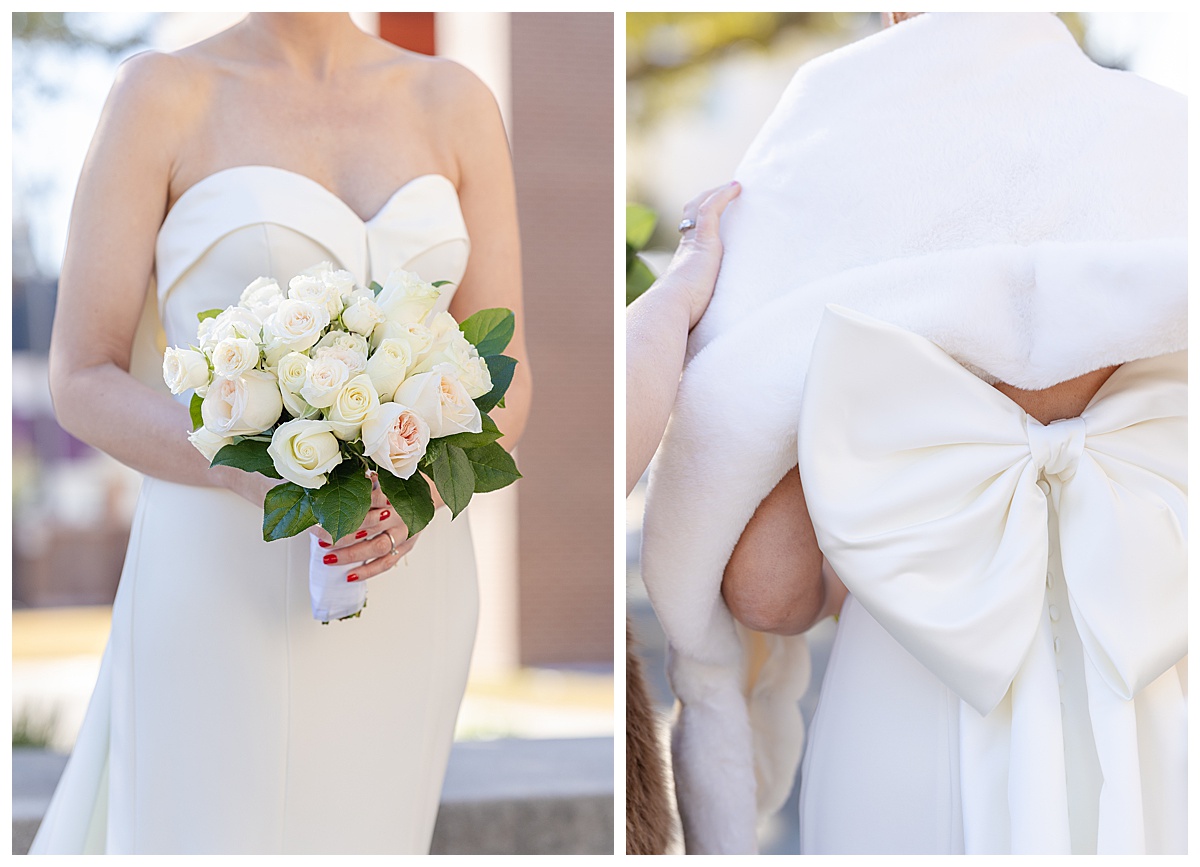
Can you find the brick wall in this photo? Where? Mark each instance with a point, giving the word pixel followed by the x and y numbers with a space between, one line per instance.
pixel 562 86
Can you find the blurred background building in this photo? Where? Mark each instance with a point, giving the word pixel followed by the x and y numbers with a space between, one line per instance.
pixel 699 85
pixel 543 660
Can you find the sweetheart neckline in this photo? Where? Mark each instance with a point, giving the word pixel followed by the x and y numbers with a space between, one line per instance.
pixel 311 182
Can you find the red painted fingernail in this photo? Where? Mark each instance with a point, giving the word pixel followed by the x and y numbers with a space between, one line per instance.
pixel 361 534
pixel 324 544
pixel 384 515
pixel 353 576
pixel 330 559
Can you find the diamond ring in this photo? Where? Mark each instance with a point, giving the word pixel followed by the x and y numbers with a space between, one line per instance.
pixel 685 224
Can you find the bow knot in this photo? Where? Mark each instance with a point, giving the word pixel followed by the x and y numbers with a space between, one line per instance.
pixel 1057 447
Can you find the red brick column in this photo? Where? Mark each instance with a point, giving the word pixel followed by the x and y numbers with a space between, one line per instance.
pixel 562 86
pixel 412 30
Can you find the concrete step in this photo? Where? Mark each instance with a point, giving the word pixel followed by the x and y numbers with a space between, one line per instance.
pixel 511 796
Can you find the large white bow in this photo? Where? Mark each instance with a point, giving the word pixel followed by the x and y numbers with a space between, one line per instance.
pixel 935 498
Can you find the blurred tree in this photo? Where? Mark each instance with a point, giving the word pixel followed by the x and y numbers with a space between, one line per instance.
pixel 73 29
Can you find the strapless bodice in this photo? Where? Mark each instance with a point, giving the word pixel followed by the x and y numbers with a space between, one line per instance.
pixel 242 223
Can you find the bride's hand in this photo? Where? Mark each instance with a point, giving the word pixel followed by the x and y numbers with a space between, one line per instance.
pixel 379 544
pixel 693 269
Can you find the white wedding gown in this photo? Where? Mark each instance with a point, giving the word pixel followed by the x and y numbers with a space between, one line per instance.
pixel 225 718
pixel 1009 674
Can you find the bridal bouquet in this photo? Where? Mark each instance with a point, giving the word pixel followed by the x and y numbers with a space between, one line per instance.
pixel 329 381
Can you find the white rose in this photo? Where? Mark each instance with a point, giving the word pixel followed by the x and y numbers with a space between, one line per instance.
pixel 342 281
pixel 233 356
pixel 473 373
pixel 346 340
pixel 207 442
pixel 294 327
pixel 303 451
pixel 353 404
pixel 395 438
pixel 462 360
pixel 232 322
pixel 292 371
pixel 440 399
pixel 389 365
pixel 326 377
pixel 406 297
pixel 312 289
pixel 362 315
pixel 244 406
pixel 262 297
pixel 419 338
pixel 184 369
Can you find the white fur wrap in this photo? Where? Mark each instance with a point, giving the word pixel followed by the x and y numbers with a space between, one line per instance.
pixel 971 178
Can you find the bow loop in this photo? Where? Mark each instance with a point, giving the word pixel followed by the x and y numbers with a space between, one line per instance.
pixel 1057 447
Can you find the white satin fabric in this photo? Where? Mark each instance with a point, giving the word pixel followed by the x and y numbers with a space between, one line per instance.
pixel 225 718
pixel 1016 640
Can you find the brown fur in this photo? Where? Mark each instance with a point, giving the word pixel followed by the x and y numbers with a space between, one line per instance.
pixel 648 818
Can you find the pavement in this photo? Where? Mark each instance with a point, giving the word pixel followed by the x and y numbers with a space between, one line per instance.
pixel 531 771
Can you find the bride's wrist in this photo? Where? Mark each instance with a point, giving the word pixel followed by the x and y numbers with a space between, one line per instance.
pixel 251 487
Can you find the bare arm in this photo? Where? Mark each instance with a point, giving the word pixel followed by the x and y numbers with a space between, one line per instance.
pixel 119 205
pixel 488 197
pixel 657 326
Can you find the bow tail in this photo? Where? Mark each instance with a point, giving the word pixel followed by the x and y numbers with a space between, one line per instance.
pixel 1137 743
pixel 1013 768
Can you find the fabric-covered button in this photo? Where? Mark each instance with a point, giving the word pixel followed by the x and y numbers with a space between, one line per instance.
pixel 1057 645
pixel 1055 614
pixel 1044 485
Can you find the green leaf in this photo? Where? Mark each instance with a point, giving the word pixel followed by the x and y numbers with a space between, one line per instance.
pixel 410 498
pixel 489 330
pixel 494 468
pixel 490 434
pixel 376 288
pixel 287 510
pixel 501 369
pixel 638 278
pixel 451 472
pixel 209 314
pixel 249 455
pixel 194 409
pixel 639 225
pixel 438 284
pixel 341 504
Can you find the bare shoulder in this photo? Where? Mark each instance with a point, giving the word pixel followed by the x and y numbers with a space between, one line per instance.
pixel 155 96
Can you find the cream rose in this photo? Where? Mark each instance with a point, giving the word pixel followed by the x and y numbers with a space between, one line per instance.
pixel 396 438
pixel 304 450
pixel 418 337
pixel 233 356
pixel 184 369
pixel 234 322
pixel 342 281
pixel 292 372
pixel 460 358
pixel 325 378
pixel 313 289
pixel 406 297
pixel 246 405
pixel 294 327
pixel 354 348
pixel 389 365
pixel 440 399
pixel 361 315
pixel 207 442
pixel 352 406
pixel 262 297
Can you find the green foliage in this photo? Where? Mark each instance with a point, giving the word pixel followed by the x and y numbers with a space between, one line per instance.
pixel 248 455
pixel 30 730
pixel 453 474
pixel 501 368
pixel 489 434
pixel 410 498
pixel 639 227
pixel 287 510
pixel 194 410
pixel 209 314
pixel 341 504
pixel 493 468
pixel 489 330
pixel 376 288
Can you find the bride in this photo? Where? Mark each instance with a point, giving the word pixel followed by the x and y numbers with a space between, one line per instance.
pixel 225 719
